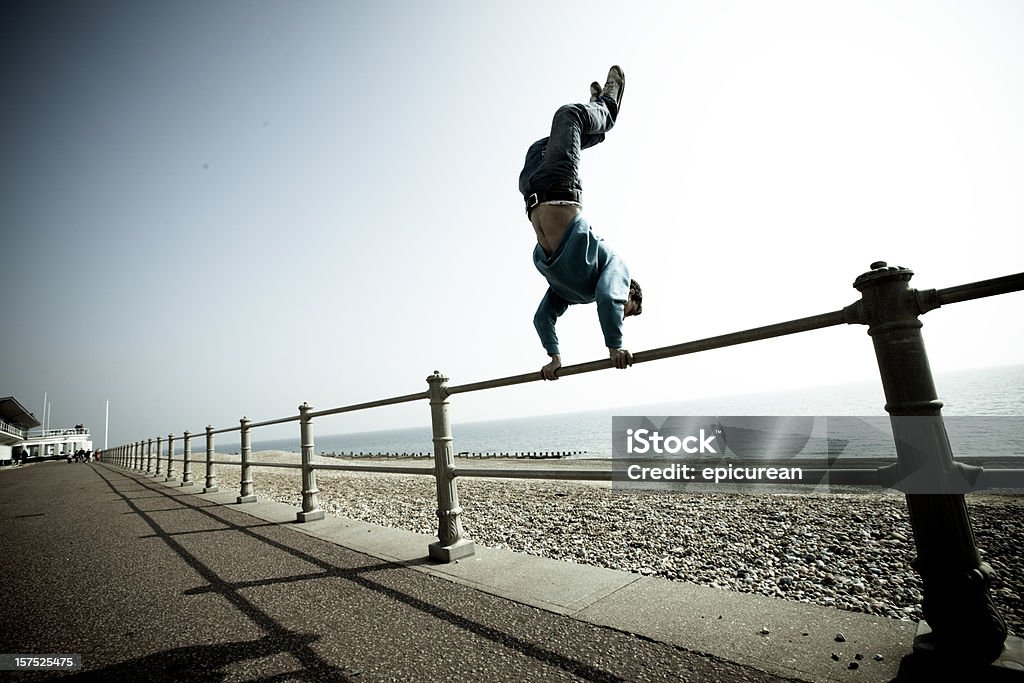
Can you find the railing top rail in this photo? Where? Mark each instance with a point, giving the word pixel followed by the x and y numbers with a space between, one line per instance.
pixel 329 411
pixel 949 295
pixel 371 404
pixel 280 420
pixel 813 322
pixel 982 288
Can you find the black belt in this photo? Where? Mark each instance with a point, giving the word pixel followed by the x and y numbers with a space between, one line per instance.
pixel 536 198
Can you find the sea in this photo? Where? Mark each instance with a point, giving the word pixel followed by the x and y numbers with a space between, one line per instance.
pixel 983 412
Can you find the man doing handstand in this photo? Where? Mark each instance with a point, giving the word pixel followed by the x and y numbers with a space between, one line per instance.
pixel 579 266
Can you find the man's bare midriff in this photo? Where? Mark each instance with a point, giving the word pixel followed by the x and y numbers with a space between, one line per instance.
pixel 549 222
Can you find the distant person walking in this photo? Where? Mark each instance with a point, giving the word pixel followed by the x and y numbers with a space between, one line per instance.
pixel 580 268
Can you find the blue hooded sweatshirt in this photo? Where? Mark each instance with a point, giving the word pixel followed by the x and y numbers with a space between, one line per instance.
pixel 582 270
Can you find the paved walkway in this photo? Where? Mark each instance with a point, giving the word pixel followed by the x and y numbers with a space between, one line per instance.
pixel 147 581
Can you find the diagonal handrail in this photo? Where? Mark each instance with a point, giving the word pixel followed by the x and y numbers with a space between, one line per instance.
pixel 980 289
pixel 807 324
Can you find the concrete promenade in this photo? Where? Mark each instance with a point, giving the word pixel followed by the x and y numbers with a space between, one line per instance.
pixel 148 580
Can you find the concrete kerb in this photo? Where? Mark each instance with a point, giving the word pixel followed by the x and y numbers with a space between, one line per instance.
pixel 782 637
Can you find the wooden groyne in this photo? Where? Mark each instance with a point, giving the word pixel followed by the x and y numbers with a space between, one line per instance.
pixel 532 455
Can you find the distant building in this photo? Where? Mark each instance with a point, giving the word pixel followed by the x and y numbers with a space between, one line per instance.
pixel 15 422
pixel 16 436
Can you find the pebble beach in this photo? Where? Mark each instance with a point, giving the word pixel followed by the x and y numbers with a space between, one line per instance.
pixel 849 551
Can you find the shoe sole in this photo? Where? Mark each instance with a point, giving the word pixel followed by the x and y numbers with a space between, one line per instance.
pixel 622 83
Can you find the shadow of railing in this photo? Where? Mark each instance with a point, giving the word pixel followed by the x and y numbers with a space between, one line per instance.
pixel 213 660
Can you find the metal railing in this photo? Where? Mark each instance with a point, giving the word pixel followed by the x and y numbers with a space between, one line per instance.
pixel 12 430
pixel 54 433
pixel 957 606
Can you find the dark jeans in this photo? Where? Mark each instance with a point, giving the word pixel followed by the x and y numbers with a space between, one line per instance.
pixel 553 163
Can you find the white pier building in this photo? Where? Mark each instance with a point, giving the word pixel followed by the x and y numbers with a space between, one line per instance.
pixel 18 438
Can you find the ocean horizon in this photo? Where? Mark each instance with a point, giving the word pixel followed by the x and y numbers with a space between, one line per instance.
pixel 983 411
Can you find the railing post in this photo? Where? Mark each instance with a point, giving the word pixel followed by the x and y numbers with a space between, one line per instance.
pixel 963 627
pixel 149 457
pixel 170 458
pixel 186 468
pixel 246 494
pixel 452 543
pixel 310 500
pixel 159 445
pixel 211 477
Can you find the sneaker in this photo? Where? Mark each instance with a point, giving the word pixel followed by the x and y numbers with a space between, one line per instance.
pixel 615 85
pixel 595 91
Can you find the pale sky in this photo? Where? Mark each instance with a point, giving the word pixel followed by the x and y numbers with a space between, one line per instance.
pixel 218 209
